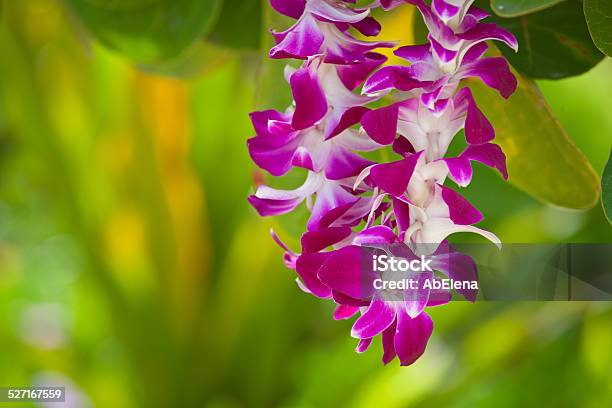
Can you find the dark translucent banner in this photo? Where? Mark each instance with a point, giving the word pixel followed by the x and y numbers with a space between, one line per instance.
pixel 521 272
pixel 561 272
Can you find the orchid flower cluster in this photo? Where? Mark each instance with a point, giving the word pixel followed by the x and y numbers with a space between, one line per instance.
pixel 359 207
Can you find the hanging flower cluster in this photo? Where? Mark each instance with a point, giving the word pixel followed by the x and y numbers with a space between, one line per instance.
pixel 360 208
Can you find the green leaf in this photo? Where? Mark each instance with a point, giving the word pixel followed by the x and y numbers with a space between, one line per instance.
pixel 147 31
pixel 516 8
pixel 606 188
pixel 598 15
pixel 554 43
pixel 542 159
pixel 239 24
pixel 419 29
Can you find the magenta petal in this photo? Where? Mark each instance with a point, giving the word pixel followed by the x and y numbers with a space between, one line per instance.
pixel 276 160
pixel 478 129
pixel 332 11
pixel 348 270
pixel 407 78
pixel 443 54
pixel 260 120
pixel 389 4
pixel 494 72
pixel 329 198
pixel 474 53
pixel 402 214
pixel 375 236
pixel 350 117
pixel 343 312
pixel 411 336
pixel 280 128
pixel 344 163
pixel 302 158
pixel 334 215
pixel 342 299
pixel 381 124
pixel 394 177
pixel 380 80
pixel 489 154
pixel 368 26
pixel 414 53
pixel 289 260
pixel 267 207
pixel 402 146
pixel 289 8
pixel 430 99
pixel 310 102
pixel 440 106
pixel 460 209
pixel 302 40
pixel 344 27
pixel 279 242
pixel 415 300
pixel 460 170
pixel 444 10
pixel 363 345
pixel 478 13
pixel 315 241
pixel 387 341
pixel 307 266
pixel 353 75
pixel 489 31
pixel 350 51
pixel 377 318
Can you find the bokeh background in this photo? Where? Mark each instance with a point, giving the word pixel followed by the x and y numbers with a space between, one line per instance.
pixel 133 271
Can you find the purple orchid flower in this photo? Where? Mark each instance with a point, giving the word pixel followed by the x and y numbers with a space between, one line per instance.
pixel 431 130
pixel 314 133
pixel 387 4
pixel 455 26
pixel 321 29
pixel 456 44
pixel 361 208
pixel 431 210
pixel 398 315
pixel 327 194
pixel 432 82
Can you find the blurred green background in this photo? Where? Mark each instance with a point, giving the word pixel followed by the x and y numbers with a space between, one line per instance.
pixel 133 271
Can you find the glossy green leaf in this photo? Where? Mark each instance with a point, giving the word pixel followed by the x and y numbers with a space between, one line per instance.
pixel 147 31
pixel 599 19
pixel 239 24
pixel 515 8
pixel 553 43
pixel 606 189
pixel 542 159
